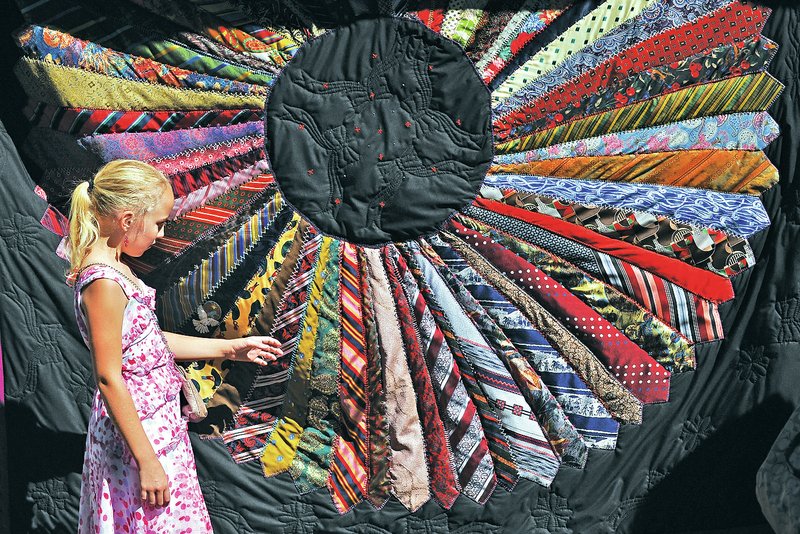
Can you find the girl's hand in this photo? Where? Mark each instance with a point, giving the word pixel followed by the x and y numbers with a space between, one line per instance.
pixel 154 483
pixel 256 349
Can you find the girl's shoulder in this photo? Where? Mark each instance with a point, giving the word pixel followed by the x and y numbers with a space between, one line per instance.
pixel 94 271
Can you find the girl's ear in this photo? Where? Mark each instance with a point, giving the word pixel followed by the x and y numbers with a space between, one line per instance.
pixel 126 220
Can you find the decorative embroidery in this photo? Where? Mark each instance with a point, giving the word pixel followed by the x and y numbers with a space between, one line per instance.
pixel 789 314
pixel 696 430
pixel 753 363
pixel 552 513
pixel 356 157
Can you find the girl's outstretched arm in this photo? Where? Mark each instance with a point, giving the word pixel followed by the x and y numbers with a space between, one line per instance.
pixel 104 305
pixel 257 349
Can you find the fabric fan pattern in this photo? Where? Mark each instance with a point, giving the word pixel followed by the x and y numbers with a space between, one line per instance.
pixel 486 233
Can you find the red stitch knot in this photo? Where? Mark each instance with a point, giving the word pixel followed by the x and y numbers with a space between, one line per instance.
pixel 408 124
pixel 374 55
pixel 458 121
pixel 310 171
pixel 357 129
pixel 434 169
pixel 301 126
pixel 382 203
pixel 380 156
pixel 380 131
pixel 325 85
pixel 337 201
pixel 371 95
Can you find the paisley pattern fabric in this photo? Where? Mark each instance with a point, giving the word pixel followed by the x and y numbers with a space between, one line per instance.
pixel 152 145
pixel 742 215
pixel 703 247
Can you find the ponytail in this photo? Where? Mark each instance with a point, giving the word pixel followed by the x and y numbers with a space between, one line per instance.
pixel 119 185
pixel 84 230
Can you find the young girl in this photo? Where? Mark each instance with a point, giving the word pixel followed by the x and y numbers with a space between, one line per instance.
pixel 139 473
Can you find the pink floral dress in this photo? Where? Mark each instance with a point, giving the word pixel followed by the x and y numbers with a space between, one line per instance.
pixel 110 494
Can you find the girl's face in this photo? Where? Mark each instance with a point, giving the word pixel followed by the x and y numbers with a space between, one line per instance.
pixel 146 229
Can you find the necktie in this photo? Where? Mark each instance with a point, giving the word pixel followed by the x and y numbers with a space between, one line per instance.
pixel 753 92
pixel 348 475
pixel 473 462
pixel 634 368
pixel 735 171
pixel 619 401
pixel 432 287
pixel 586 413
pixel 408 470
pixel 534 457
pixel 707 248
pixel 83 121
pixel 281 449
pixel 733 23
pixel 380 454
pixel 699 281
pixel 564 440
pixel 443 483
pixel 269 387
pixel 312 462
pixel 694 317
pixel 665 345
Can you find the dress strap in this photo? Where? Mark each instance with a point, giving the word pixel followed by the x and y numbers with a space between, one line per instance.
pixel 95 271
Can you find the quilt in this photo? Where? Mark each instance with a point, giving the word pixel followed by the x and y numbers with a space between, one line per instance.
pixel 533 264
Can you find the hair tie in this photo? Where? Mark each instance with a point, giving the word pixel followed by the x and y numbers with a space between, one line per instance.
pixel 91 184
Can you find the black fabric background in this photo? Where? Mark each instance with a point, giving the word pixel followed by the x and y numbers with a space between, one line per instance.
pixel 689 468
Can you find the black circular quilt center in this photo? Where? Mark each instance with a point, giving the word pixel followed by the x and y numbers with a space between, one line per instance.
pixel 379 130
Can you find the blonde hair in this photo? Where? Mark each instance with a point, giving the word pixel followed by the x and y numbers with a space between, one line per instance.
pixel 120 185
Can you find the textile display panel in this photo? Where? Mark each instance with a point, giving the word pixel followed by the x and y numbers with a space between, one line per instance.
pixel 533 265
